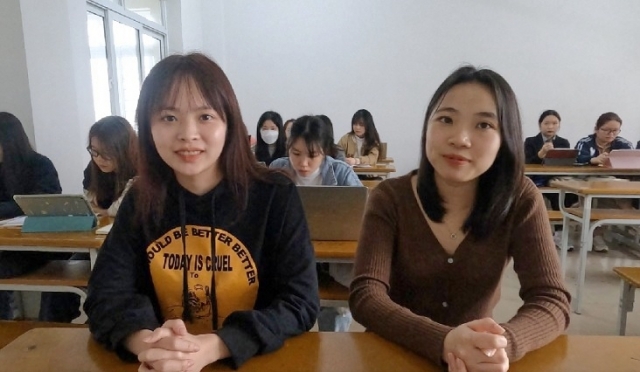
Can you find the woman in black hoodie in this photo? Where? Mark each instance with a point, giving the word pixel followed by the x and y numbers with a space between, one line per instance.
pixel 22 171
pixel 201 206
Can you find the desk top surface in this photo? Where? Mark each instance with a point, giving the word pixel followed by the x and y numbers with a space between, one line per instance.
pixel 71 349
pixel 600 187
pixel 378 168
pixel 579 170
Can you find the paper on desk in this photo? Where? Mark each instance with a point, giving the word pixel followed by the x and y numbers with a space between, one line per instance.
pixel 363 166
pixel 104 230
pixel 13 222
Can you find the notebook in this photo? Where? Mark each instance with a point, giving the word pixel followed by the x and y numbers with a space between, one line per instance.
pixel 560 157
pixel 333 212
pixel 624 159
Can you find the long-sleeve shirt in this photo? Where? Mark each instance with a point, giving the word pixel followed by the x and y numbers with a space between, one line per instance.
pixel 532 146
pixel 40 177
pixel 588 149
pixel 348 143
pixel 265 288
pixel 408 289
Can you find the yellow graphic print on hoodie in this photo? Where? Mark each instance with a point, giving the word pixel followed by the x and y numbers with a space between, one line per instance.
pixel 236 278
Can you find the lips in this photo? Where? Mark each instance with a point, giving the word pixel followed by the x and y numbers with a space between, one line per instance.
pixel 457 158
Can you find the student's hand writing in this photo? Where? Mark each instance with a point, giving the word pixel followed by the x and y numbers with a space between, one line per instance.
pixel 479 344
pixel 350 161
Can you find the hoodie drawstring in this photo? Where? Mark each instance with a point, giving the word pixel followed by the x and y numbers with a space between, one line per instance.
pixel 186 314
pixel 214 299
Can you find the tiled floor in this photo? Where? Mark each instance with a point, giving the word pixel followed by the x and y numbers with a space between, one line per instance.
pixel 600 300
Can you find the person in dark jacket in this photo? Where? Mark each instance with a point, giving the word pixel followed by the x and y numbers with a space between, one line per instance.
pixel 271 139
pixel 22 171
pixel 536 147
pixel 209 256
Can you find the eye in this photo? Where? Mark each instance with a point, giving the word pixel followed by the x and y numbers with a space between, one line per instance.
pixel 485 125
pixel 206 117
pixel 169 118
pixel 445 120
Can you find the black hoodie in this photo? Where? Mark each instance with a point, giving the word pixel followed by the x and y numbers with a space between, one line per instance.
pixel 266 286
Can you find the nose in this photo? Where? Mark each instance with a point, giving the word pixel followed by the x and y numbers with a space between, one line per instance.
pixel 188 130
pixel 459 137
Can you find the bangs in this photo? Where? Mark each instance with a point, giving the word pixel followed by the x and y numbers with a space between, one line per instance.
pixel 313 147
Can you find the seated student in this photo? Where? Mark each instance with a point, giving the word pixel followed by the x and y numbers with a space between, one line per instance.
pixel 287 128
pixel 536 149
pixel 113 145
pixel 362 144
pixel 271 142
pixel 22 171
pixel 209 257
pixel 435 242
pixel 310 164
pixel 337 151
pixel 594 149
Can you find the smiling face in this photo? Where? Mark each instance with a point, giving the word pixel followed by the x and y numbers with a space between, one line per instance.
pixel 189 136
pixel 463 134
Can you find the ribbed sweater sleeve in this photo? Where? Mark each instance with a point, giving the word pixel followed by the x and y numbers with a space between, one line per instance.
pixel 369 301
pixel 545 312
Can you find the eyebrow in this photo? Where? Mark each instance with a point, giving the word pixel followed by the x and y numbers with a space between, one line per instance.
pixel 483 114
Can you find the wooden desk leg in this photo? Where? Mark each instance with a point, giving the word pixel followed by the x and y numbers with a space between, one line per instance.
pixel 627 297
pixel 564 245
pixel 586 241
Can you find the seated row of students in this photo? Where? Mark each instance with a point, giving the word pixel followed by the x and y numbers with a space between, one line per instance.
pixel 112 145
pixel 360 146
pixel 210 257
pixel 593 149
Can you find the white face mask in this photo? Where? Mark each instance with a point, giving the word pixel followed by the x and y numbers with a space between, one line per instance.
pixel 269 136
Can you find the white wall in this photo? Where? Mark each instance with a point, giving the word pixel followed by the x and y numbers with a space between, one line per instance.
pixel 579 57
pixel 57 60
pixel 14 83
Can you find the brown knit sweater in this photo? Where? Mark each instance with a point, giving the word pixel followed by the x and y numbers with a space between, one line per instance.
pixel 410 291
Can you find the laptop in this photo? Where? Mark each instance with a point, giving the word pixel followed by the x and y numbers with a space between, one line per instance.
pixel 561 157
pixel 333 212
pixel 55 213
pixel 624 159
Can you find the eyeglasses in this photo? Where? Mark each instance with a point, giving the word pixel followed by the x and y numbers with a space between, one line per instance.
pixel 610 131
pixel 94 153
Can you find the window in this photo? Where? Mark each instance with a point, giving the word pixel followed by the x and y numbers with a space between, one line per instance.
pixel 126 39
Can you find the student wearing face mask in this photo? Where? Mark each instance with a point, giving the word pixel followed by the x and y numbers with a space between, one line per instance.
pixel 270 138
pixel 310 164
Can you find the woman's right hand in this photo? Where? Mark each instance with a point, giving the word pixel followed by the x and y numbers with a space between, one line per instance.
pixel 545 149
pixel 350 161
pixel 600 159
pixel 479 344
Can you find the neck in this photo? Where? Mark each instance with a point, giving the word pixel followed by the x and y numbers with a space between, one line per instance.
pixel 457 196
pixel 601 143
pixel 199 185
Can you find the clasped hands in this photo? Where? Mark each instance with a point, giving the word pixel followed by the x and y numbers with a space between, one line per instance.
pixel 476 346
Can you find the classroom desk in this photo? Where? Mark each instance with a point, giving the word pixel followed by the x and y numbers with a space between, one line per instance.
pixel 12 239
pixel 335 251
pixel 10 330
pixel 578 170
pixel 380 170
pixel 385 161
pixel 589 190
pixel 61 350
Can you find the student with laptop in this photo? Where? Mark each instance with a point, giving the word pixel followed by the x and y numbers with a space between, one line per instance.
pixel 435 242
pixel 209 257
pixel 310 165
pixel 536 149
pixel 362 144
pixel 113 146
pixel 594 150
pixel 22 171
pixel 271 139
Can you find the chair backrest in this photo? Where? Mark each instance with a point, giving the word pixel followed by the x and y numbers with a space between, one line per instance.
pixel 383 150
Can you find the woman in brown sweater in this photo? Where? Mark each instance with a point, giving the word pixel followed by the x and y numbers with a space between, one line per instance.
pixel 435 242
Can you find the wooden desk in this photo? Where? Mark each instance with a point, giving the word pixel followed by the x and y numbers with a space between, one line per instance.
pixel 335 251
pixel 630 281
pixel 61 350
pixel 10 330
pixel 590 190
pixel 385 161
pixel 578 170
pixel 381 170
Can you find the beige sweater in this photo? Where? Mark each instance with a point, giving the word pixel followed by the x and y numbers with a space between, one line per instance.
pixel 409 290
pixel 348 143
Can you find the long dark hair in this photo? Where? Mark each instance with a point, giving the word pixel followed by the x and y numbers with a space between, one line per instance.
pixel 332 149
pixel 238 167
pixel 548 113
pixel 17 152
pixel 498 186
pixel 371 137
pixel 314 132
pixel 262 149
pixel 119 143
